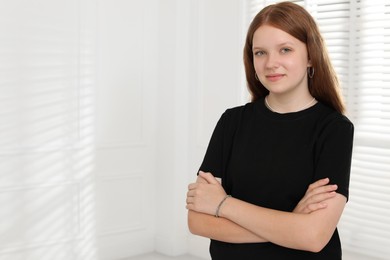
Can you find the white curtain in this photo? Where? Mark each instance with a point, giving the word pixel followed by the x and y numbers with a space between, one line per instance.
pixel 357 34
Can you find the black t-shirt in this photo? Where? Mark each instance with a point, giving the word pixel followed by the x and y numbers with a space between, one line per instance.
pixel 270 159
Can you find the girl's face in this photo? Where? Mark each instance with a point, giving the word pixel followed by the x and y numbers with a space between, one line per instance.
pixel 280 61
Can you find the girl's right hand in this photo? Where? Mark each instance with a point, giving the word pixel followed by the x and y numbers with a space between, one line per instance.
pixel 316 196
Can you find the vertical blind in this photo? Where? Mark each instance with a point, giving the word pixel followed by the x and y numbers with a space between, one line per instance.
pixel 357 35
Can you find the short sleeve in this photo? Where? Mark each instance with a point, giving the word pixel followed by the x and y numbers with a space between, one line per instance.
pixel 219 149
pixel 334 154
pixel 213 159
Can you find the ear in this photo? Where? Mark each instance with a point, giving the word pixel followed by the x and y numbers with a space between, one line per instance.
pixel 309 64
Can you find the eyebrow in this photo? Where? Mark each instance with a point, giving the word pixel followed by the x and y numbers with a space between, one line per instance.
pixel 280 44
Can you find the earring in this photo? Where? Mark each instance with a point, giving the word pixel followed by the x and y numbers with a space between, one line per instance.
pixel 256 77
pixel 310 72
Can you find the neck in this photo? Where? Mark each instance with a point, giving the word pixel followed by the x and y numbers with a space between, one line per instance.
pixel 289 107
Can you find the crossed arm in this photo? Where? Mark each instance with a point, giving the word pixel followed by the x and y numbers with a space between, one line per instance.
pixel 309 227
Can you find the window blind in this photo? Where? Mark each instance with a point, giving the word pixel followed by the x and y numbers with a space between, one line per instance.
pixel 357 35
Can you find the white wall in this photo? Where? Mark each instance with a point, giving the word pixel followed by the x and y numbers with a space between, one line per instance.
pixel 106 110
pixel 198 77
pixel 47 198
pixel 166 73
pixel 127 76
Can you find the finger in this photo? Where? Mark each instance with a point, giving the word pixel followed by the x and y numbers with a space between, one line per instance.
pixel 320 197
pixel 200 179
pixel 323 189
pixel 208 177
pixel 192 186
pixel 320 189
pixel 316 206
pixel 309 208
pixel 191 193
pixel 200 173
pixel 318 183
pixel 190 200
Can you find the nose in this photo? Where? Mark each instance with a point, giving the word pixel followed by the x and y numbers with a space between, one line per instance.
pixel 272 61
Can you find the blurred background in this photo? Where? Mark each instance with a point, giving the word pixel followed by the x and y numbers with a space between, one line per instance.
pixel 107 106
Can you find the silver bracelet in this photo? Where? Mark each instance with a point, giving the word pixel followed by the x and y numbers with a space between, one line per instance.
pixel 220 204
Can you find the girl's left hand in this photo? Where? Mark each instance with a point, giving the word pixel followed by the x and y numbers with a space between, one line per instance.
pixel 204 197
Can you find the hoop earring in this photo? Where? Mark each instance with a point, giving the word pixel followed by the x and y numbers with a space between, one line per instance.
pixel 256 77
pixel 310 72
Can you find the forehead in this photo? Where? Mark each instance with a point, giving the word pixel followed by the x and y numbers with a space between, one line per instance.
pixel 267 35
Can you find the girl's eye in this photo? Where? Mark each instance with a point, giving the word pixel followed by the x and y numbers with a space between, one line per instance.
pixel 260 53
pixel 285 50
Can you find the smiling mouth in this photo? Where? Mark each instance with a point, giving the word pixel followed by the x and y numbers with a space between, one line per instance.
pixel 274 77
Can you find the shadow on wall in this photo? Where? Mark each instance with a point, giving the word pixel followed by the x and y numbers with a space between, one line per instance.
pixel 46 132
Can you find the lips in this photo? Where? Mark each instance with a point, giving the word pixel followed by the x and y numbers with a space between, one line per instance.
pixel 274 77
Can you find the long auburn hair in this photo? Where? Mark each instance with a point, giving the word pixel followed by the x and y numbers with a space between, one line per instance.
pixel 296 21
